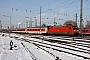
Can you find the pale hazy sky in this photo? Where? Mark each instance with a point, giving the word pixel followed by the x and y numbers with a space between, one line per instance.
pixel 62 10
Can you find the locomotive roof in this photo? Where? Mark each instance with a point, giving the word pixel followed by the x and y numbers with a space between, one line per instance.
pixel 65 26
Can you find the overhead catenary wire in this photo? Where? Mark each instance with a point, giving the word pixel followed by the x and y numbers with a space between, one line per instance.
pixel 30 7
pixel 5 3
pixel 61 4
pixel 78 10
pixel 36 3
pixel 49 3
pixel 24 4
pixel 42 6
pixel 64 5
pixel 46 4
pixel 68 4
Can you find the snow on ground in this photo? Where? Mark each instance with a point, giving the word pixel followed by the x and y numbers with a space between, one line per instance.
pixel 40 54
pixel 20 52
pixel 17 53
pixel 28 51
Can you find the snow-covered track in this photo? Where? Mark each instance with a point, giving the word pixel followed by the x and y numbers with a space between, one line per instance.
pixel 61 49
pixel 77 46
pixel 31 54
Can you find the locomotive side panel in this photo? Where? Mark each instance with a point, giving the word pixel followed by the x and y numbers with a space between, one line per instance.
pixel 61 30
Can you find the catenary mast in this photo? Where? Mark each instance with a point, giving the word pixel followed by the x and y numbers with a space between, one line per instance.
pixel 81 19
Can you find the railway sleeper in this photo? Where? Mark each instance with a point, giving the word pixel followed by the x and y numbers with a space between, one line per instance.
pixel 63 47
pixel 64 51
pixel 46 51
pixel 69 45
pixel 31 54
pixel 58 46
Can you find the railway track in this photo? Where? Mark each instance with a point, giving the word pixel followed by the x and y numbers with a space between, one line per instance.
pixel 69 46
pixel 66 45
pixel 69 42
pixel 31 54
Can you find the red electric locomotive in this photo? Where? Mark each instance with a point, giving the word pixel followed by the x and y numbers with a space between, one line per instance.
pixel 86 31
pixel 64 30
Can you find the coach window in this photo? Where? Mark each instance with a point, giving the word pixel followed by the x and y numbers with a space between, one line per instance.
pixel 35 29
pixel 86 30
pixel 38 29
pixel 31 29
pixel 42 30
